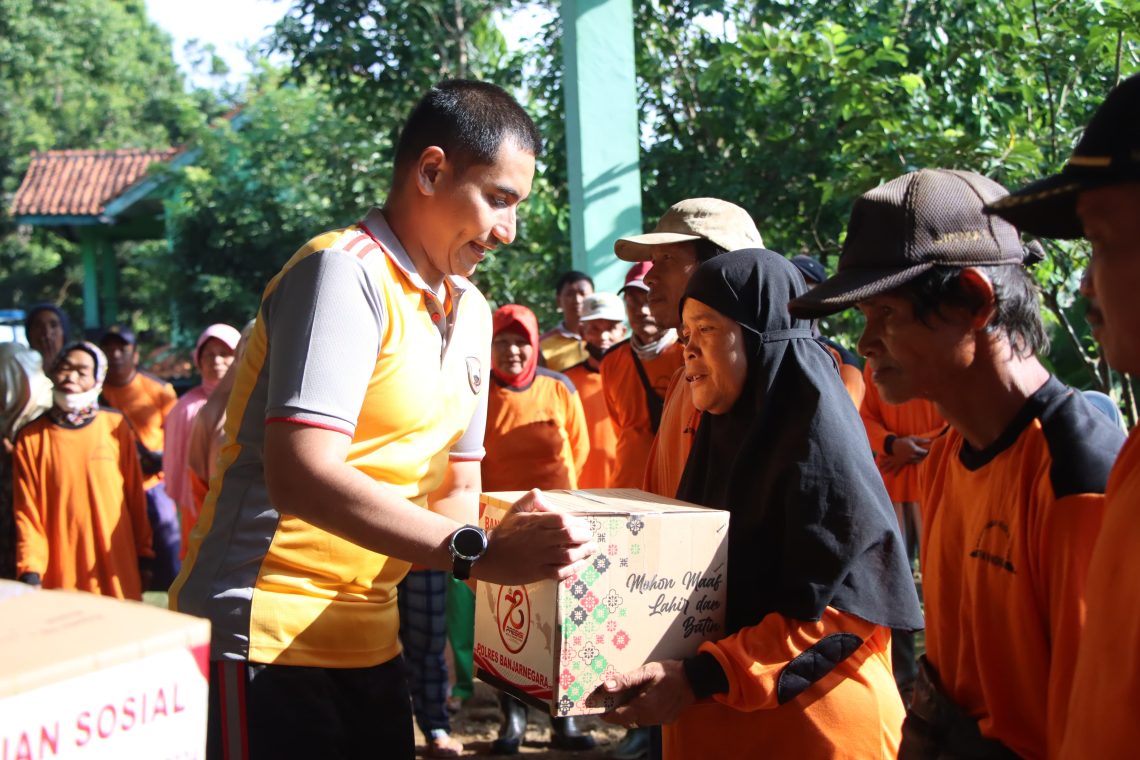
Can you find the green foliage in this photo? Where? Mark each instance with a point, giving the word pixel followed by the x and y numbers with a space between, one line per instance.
pixel 76 74
pixel 794 109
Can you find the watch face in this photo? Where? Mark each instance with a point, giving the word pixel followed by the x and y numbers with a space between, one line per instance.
pixel 469 542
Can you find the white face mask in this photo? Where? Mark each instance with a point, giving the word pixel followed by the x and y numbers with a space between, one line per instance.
pixel 75 402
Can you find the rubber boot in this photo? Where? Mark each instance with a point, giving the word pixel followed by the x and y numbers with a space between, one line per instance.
pixel 513 729
pixel 565 734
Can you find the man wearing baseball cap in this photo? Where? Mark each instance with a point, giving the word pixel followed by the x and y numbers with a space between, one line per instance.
pixel 850 368
pixel 145 400
pixel 635 374
pixel 1097 196
pixel 689 233
pixel 602 324
pixel 1012 494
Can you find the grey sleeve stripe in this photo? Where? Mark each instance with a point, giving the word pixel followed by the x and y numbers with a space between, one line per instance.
pixel 324 323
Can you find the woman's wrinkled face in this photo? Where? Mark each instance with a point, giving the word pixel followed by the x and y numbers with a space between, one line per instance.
pixel 716 361
pixel 510 353
pixel 75 372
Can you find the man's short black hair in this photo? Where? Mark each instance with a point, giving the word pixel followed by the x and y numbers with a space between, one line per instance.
pixel 571 277
pixel 469 121
pixel 1017 302
pixel 707 249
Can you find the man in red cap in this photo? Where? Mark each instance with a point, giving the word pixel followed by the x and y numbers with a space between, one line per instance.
pixel 635 374
pixel 1097 196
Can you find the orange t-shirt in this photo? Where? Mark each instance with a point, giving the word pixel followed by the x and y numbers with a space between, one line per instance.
pixel 916 417
pixel 1106 685
pixel 851 376
pixel 852 711
pixel 674 440
pixel 1007 533
pixel 80 507
pixel 536 437
pixel 145 400
pixel 603 438
pixel 625 397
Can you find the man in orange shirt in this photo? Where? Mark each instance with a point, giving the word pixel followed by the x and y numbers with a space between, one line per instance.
pixel 145 400
pixel 1012 494
pixel 900 436
pixel 689 233
pixel 850 368
pixel 635 374
pixel 603 325
pixel 1097 196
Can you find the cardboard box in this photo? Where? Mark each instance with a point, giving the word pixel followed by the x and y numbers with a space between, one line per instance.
pixel 85 676
pixel 654 591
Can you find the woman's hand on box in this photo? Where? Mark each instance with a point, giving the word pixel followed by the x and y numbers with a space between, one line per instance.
pixel 535 542
pixel 659 691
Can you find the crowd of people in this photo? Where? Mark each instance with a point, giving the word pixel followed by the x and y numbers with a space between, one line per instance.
pixel 317 498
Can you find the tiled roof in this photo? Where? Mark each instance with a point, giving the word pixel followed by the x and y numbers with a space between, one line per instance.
pixel 81 182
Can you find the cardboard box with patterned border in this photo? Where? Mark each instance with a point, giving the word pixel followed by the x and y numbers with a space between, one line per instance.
pixel 84 676
pixel 654 591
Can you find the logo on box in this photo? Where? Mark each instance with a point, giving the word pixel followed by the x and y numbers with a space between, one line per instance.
pixel 513 615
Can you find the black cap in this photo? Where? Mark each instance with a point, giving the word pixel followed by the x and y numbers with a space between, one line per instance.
pixel 1107 154
pixel 810 268
pixel 908 226
pixel 123 333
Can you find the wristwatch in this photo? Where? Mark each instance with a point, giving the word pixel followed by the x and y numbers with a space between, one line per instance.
pixel 467 545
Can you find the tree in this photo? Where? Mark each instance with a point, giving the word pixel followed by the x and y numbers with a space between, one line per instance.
pixel 793 109
pixel 76 74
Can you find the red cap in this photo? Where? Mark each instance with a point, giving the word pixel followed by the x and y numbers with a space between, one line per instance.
pixel 635 277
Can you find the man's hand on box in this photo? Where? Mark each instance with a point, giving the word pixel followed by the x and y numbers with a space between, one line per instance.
pixel 534 542
pixel 660 691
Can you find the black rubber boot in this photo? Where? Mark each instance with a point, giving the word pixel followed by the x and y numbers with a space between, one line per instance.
pixel 513 729
pixel 565 734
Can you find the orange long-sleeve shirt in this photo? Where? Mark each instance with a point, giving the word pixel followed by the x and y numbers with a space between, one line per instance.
pixel 80 508
pixel 853 711
pixel 145 400
pixel 916 417
pixel 1106 685
pixel 625 397
pixel 1007 534
pixel 603 437
pixel 670 449
pixel 536 437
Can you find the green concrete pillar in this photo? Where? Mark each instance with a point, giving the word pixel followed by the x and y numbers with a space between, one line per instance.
pixel 109 278
pixel 602 144
pixel 88 248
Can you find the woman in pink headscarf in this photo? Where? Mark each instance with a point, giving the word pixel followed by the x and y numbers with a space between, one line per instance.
pixel 213 355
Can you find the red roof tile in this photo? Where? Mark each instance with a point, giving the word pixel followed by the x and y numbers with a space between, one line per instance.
pixel 81 182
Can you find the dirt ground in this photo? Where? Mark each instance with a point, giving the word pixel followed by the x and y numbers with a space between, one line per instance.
pixel 477 724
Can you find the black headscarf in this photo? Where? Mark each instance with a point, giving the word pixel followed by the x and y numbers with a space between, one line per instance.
pixel 812 525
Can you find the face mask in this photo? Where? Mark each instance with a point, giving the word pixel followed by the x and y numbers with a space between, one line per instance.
pixel 75 402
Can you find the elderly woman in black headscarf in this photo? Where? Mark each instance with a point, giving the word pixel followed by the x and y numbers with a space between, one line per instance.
pixel 817 572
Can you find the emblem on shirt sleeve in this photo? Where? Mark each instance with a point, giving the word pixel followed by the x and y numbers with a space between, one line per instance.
pixel 474 374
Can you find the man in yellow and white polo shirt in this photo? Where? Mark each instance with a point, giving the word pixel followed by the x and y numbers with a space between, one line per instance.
pixel 353 440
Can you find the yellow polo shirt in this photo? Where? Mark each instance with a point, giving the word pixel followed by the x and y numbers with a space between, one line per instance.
pixel 349 338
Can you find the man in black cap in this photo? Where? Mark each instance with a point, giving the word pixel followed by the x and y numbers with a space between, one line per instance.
pixel 1012 494
pixel 850 368
pixel 1097 196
